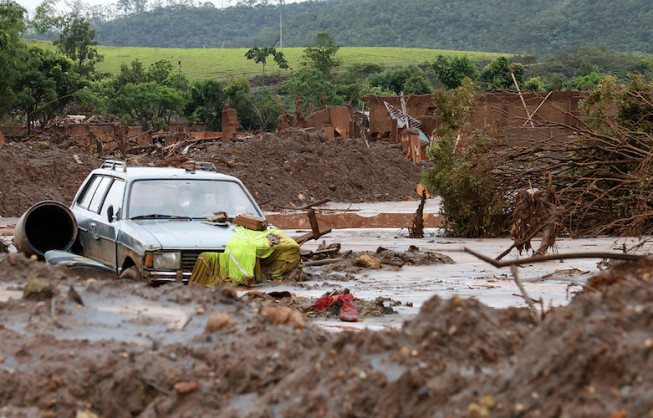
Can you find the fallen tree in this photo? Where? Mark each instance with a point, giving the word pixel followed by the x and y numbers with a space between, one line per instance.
pixel 597 174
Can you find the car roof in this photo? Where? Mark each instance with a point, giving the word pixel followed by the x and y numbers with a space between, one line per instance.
pixel 142 173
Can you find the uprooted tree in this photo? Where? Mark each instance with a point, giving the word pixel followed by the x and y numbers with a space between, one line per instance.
pixel 598 179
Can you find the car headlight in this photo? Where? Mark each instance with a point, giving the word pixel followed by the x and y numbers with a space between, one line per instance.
pixel 167 261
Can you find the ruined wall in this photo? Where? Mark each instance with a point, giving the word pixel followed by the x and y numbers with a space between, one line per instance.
pixel 333 120
pixel 497 111
pixel 418 106
pixel 494 111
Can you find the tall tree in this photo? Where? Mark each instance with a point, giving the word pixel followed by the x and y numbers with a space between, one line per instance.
pixel 77 42
pixel 314 88
pixel 450 71
pixel 76 36
pixel 322 54
pixel 149 97
pixel 45 85
pixel 12 25
pixel 497 74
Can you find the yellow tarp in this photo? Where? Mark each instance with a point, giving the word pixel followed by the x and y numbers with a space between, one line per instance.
pixel 249 256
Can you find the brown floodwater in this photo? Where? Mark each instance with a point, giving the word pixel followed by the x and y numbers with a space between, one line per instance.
pixel 341 220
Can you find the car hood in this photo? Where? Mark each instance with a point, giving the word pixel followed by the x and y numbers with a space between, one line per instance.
pixel 175 234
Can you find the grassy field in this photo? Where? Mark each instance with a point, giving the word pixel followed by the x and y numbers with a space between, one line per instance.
pixel 199 64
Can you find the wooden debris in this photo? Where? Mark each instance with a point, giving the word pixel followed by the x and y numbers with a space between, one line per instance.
pixel 250 221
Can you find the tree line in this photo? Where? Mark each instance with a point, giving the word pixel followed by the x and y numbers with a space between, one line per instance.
pixel 517 27
pixel 40 84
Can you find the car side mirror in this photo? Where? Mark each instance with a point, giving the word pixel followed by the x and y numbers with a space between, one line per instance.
pixel 110 213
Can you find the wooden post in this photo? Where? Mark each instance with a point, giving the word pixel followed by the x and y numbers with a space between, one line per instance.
pixel 522 99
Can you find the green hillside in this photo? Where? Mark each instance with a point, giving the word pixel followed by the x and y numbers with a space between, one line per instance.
pixel 515 26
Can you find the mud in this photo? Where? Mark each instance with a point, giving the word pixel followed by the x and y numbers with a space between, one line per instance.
pixel 91 345
pixel 457 357
pixel 289 170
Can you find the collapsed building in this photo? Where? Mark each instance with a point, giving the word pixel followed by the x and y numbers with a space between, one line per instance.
pixel 411 121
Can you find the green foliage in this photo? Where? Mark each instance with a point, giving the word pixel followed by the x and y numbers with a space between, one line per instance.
pixel 12 49
pixel 585 82
pixel 259 111
pixel 77 42
pixel 314 86
pixel 534 84
pixel 260 56
pixel 205 102
pixel 450 71
pixel 469 204
pixel 586 65
pixel 417 84
pixel 148 103
pixel 46 83
pixel 396 80
pixel 634 104
pixel 498 74
pixel 148 97
pixel 76 36
pixel 321 55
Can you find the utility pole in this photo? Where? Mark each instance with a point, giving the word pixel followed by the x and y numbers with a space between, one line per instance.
pixel 280 25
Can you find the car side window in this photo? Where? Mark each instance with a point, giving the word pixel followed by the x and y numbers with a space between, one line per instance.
pixel 85 199
pixel 114 197
pixel 100 193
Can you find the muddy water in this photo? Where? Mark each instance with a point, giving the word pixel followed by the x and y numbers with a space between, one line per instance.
pixel 552 282
pixel 336 220
pixel 361 215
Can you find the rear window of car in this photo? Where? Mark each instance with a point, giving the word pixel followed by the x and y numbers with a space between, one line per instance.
pixel 88 192
pixel 95 192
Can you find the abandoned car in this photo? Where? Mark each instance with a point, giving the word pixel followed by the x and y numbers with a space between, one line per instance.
pixel 152 223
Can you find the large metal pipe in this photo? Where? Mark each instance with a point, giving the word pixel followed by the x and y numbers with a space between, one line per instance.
pixel 47 225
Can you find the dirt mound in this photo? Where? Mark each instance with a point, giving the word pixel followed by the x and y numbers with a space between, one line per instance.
pixel 298 167
pixel 37 171
pixel 294 168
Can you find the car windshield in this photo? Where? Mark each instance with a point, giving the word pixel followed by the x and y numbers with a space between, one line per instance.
pixel 178 198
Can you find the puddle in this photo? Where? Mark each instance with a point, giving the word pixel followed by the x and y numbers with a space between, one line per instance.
pixel 8 291
pixel 173 317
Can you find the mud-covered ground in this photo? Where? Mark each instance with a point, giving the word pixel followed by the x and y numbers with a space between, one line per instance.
pixel 292 169
pixel 85 345
pixel 191 351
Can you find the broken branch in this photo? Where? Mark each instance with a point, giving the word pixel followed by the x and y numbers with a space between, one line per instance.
pixel 540 258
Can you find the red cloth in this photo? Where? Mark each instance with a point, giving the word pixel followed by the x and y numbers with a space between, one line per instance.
pixel 323 303
pixel 348 311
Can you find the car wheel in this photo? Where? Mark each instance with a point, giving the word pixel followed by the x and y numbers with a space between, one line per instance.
pixel 132 273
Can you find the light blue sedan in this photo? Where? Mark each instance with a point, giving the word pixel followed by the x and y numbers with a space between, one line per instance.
pixel 152 223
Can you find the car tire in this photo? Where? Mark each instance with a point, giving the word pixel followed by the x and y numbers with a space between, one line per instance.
pixel 132 273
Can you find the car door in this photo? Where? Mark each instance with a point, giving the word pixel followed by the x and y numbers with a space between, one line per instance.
pixel 92 227
pixel 85 217
pixel 108 223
